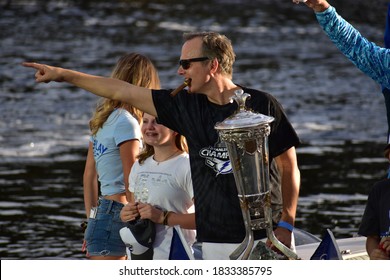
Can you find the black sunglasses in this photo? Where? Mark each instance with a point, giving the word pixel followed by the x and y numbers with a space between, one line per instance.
pixel 186 63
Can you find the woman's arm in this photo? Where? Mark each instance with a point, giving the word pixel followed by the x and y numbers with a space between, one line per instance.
pixel 90 182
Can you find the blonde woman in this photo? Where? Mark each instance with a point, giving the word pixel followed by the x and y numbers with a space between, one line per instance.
pixel 114 145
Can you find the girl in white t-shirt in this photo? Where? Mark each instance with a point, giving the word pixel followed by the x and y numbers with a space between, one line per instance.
pixel 161 186
pixel 113 148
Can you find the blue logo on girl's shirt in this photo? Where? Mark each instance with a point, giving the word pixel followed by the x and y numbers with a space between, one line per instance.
pixel 98 148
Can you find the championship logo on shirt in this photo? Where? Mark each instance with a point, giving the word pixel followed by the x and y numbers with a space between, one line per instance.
pixel 217 158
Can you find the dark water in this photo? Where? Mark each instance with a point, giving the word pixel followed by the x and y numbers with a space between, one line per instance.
pixel 337 111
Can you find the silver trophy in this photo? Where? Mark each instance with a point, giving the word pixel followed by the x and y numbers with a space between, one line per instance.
pixel 245 134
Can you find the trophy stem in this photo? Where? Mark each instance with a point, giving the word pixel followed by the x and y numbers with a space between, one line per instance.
pixel 244 250
pixel 290 254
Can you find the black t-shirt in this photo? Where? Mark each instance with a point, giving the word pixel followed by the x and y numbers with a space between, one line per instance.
pixel 218 213
pixel 376 217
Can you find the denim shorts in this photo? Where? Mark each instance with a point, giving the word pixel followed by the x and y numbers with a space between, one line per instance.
pixel 102 233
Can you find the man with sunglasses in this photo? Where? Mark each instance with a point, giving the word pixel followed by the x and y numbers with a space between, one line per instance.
pixel 186 63
pixel 207 62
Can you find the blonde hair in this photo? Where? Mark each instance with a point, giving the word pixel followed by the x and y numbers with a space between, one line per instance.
pixel 148 150
pixel 135 69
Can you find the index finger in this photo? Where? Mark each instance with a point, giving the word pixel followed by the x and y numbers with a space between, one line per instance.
pixel 31 64
pixel 34 65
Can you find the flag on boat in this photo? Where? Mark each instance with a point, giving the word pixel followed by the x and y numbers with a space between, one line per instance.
pixel 180 250
pixel 328 248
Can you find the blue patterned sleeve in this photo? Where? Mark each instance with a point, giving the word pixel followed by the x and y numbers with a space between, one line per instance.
pixel 373 60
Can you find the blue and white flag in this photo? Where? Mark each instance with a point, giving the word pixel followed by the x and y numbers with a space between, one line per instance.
pixel 328 248
pixel 180 250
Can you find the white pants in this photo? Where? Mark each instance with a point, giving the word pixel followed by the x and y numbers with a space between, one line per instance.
pixel 222 251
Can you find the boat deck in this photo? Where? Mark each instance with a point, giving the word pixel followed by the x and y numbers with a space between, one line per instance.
pixel 353 248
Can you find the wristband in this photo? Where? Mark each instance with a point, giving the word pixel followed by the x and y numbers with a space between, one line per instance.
pixel 285 225
pixel 166 215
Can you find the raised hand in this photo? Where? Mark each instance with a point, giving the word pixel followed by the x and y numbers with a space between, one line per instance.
pixel 316 5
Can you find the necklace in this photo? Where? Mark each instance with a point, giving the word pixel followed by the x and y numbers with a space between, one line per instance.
pixel 171 156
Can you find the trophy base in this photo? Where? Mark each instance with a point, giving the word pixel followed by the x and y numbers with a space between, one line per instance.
pixel 262 252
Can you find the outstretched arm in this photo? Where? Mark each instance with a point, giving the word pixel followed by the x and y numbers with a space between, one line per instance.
pixel 111 88
pixel 371 59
